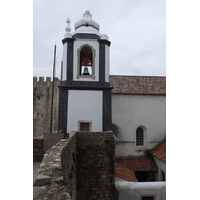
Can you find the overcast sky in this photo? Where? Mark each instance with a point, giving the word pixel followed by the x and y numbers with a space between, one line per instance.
pixel 136 29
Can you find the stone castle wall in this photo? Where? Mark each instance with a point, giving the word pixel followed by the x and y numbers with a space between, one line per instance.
pixel 81 167
pixel 42 97
pixel 68 158
pixel 56 177
pixel 95 166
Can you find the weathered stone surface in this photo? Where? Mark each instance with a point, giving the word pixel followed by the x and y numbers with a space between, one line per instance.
pixel 42 180
pixel 54 166
pixel 59 180
pixel 81 167
pixel 95 166
pixel 42 92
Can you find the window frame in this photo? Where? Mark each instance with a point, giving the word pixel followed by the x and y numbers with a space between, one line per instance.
pixel 84 121
pixel 141 147
pixel 139 138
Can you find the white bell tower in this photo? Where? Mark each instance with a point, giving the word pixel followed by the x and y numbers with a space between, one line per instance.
pixel 85 90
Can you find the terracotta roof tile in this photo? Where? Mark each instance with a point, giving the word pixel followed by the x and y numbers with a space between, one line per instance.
pixel 138 84
pixel 124 173
pixel 160 152
pixel 138 163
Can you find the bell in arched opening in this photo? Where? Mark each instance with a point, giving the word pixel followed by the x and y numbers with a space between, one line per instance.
pixel 86 72
pixel 86 61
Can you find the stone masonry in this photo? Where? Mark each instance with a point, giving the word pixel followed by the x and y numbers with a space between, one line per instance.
pixel 42 95
pixel 54 179
pixel 95 154
pixel 81 167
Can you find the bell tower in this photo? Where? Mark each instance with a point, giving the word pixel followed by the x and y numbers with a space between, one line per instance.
pixel 85 103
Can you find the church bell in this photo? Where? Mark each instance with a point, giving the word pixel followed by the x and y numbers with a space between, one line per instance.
pixel 86 72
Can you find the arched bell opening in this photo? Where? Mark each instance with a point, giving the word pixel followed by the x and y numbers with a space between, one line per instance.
pixel 86 61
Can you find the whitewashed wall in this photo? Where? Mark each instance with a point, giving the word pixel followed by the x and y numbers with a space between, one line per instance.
pixel 84 105
pixel 131 111
pixel 134 190
pixel 161 167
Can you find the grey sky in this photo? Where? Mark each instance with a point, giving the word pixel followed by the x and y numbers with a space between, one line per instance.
pixel 136 29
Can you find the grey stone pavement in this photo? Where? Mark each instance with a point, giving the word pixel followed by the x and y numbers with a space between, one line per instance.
pixel 36 166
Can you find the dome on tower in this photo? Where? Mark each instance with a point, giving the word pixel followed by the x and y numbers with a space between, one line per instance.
pixel 87 21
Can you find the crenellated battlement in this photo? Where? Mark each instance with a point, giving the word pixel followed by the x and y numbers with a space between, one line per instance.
pixel 42 97
pixel 40 81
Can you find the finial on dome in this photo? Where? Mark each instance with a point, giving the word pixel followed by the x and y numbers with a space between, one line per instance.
pixel 68 29
pixel 87 15
pixel 86 22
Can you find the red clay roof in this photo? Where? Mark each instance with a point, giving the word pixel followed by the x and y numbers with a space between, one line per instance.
pixel 160 152
pixel 138 84
pixel 124 173
pixel 138 163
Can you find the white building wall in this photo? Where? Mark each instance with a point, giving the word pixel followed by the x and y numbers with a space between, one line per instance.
pixel 161 167
pixel 84 105
pixel 135 190
pixel 131 111
pixel 77 44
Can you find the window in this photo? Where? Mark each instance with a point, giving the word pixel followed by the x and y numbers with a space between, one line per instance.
pixel 86 61
pixel 139 137
pixel 84 126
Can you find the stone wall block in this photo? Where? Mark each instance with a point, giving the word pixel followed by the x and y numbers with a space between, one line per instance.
pixel 42 180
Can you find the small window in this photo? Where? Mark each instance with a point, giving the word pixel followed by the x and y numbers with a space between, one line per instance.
pixel 84 126
pixel 139 137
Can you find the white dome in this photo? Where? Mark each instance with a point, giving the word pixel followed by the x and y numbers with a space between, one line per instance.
pixel 87 21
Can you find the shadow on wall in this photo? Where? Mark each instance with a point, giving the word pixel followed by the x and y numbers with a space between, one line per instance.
pixel 116 131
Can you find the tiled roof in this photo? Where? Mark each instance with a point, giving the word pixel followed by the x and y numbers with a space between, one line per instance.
pixel 160 152
pixel 138 163
pixel 124 173
pixel 138 84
